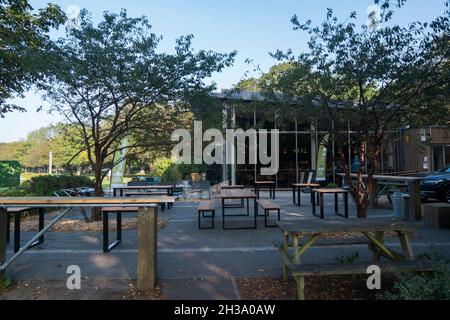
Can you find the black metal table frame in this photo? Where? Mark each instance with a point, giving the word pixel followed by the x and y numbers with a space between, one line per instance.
pixel 298 190
pixel 248 214
pixel 336 205
pixel 17 218
pixel 169 193
pixel 264 186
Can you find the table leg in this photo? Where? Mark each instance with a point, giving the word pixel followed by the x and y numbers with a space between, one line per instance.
pixel 406 245
pixel 376 252
pixel 286 252
pixel 3 226
pixel 322 213
pixel 273 192
pixel 336 204
pixel 114 192
pixel 223 213
pixel 16 232
pixel 415 209
pixel 248 206
pixel 299 196
pixel 256 213
pixel 293 195
pixel 346 205
pixel 313 203
pixel 147 248
pixel 296 248
pixel 41 223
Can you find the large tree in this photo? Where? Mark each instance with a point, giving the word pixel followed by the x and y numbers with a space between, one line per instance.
pixel 110 82
pixel 378 76
pixel 23 43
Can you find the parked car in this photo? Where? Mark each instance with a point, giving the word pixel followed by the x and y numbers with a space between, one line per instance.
pixel 436 186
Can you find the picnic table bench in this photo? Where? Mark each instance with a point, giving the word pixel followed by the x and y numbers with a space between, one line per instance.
pixel 146 233
pixel 233 194
pixel 17 213
pixel 269 206
pixel 265 184
pixel 373 229
pixel 208 206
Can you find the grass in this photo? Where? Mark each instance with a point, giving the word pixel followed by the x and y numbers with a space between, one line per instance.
pixel 5 283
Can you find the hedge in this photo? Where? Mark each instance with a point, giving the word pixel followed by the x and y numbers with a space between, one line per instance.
pixel 46 185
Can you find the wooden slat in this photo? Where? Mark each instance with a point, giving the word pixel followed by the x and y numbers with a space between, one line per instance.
pixel 268 205
pixel 331 190
pixel 308 227
pixel 206 206
pixel 264 182
pixel 306 185
pixel 18 210
pixel 74 201
pixel 120 209
pixel 237 194
pixel 356 268
pixel 144 187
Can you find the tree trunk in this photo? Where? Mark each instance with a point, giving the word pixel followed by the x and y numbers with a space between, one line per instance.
pixel 96 212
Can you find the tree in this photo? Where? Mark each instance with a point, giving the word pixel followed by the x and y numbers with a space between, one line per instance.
pixel 378 76
pixel 23 43
pixel 109 82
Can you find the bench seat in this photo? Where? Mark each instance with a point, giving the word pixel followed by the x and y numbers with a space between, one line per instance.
pixel 268 206
pixel 120 209
pixel 299 271
pixel 208 206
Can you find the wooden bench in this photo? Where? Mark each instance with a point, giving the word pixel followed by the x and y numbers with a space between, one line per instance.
pixel 299 271
pixel 17 213
pixel 205 207
pixel 107 247
pixel 269 206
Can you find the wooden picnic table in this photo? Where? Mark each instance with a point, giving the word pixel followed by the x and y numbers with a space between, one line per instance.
pixel 236 206
pixel 233 194
pixel 167 188
pixel 298 187
pixel 147 227
pixel 415 202
pixel 262 184
pixel 335 191
pixel 372 229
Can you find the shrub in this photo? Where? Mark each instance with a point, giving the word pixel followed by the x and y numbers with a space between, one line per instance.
pixel 424 286
pixel 46 185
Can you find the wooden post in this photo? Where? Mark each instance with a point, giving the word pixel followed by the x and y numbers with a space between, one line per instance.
pixel 147 248
pixel 3 226
pixel 415 209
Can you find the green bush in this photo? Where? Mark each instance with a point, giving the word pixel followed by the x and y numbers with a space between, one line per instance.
pixel 14 192
pixel 46 185
pixel 424 286
pixel 171 175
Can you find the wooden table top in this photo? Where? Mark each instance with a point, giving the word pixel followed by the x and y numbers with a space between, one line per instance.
pixel 306 185
pixel 143 187
pixel 234 187
pixel 77 201
pixel 331 190
pixel 237 194
pixel 264 182
pixel 310 227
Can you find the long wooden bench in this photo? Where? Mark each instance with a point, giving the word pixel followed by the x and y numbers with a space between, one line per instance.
pixel 107 247
pixel 299 271
pixel 269 206
pixel 17 213
pixel 205 207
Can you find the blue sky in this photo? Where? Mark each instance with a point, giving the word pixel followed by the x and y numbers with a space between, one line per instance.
pixel 253 28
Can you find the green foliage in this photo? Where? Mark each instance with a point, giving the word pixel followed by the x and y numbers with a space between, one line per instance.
pixel 46 185
pixel 5 283
pixel 424 286
pixel 161 165
pixel 23 43
pixel 348 259
pixel 171 175
pixel 10 174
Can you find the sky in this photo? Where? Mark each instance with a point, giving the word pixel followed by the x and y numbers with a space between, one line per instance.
pixel 252 27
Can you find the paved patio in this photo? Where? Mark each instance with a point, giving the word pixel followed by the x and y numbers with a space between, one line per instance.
pixel 198 264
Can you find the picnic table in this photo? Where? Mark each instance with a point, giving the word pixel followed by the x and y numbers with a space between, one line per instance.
pixel 167 190
pixel 232 187
pixel 312 230
pixel 415 208
pixel 268 184
pixel 147 227
pixel 233 194
pixel 298 187
pixel 335 191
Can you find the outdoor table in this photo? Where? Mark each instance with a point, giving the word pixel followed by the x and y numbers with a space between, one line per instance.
pixel 146 233
pixel 298 187
pixel 336 192
pixel 372 229
pixel 415 202
pixel 269 184
pixel 236 206
pixel 167 188
pixel 233 194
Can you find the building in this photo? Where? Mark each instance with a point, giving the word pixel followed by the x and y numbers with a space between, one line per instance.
pixel 406 150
